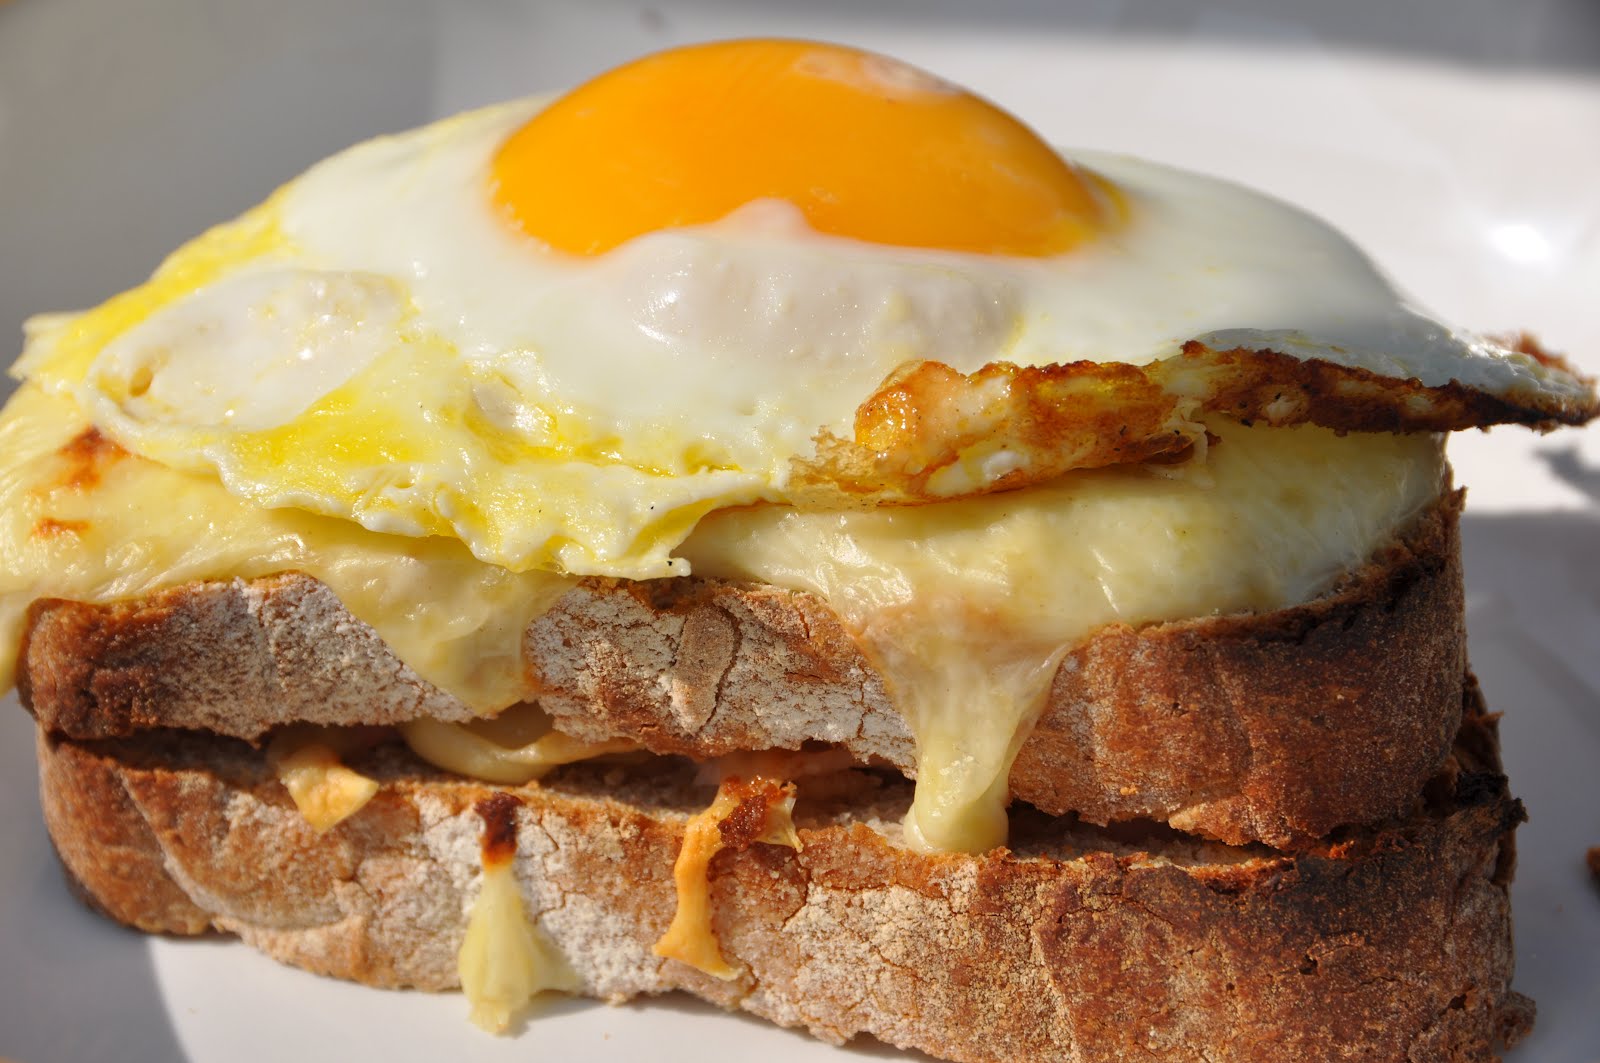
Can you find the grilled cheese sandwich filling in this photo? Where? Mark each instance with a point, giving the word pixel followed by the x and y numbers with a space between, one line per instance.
pixel 965 607
pixel 323 788
pixel 515 747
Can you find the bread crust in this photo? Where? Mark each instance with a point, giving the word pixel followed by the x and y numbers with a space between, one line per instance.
pixel 1276 727
pixel 1081 944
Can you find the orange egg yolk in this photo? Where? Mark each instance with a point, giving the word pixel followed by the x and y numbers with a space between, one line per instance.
pixel 866 147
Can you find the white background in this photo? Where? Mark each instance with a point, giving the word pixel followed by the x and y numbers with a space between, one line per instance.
pixel 1458 140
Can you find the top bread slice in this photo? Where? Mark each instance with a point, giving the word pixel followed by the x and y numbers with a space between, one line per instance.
pixel 1274 727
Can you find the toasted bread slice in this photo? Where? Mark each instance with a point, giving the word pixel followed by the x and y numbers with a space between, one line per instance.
pixel 1277 727
pixel 1078 943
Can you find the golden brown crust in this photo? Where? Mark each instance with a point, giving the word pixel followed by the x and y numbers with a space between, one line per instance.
pixel 1203 723
pixel 236 658
pixel 95 823
pixel 1275 728
pixel 928 430
pixel 1083 944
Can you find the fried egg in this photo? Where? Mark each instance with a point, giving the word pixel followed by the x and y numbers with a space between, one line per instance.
pixel 564 330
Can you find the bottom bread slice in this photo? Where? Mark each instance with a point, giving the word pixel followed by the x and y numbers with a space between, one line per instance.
pixel 1076 944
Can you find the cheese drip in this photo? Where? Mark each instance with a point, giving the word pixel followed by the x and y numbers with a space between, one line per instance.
pixel 505 961
pixel 742 813
pixel 966 608
pixel 95 524
pixel 309 765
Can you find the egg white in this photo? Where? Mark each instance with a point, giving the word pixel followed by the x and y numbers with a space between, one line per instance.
pixel 397 353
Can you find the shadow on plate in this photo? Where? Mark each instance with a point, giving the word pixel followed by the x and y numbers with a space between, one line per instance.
pixel 1533 610
pixel 80 987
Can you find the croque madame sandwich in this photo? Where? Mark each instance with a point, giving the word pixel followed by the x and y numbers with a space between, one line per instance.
pixel 764 524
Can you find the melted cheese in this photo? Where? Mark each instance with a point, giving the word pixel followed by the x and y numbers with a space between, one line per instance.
pixel 966 607
pixel 512 748
pixel 691 939
pixel 504 960
pixel 324 790
pixel 121 526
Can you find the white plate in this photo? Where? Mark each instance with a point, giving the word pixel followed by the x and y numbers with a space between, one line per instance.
pixel 1459 145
